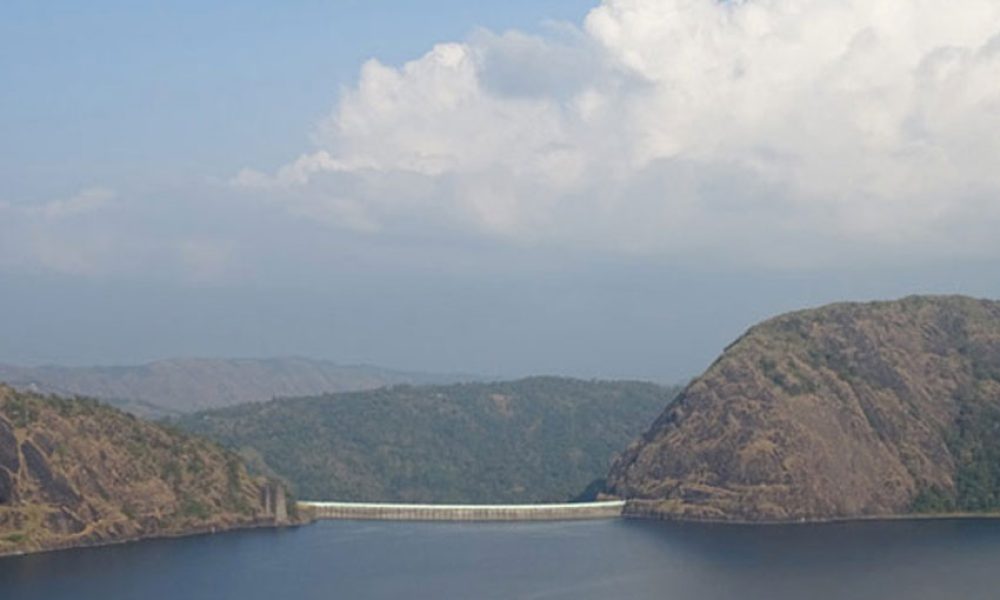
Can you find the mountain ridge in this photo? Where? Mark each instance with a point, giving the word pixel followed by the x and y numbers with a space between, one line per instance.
pixel 177 385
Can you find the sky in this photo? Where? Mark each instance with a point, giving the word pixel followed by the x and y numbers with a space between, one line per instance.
pixel 597 189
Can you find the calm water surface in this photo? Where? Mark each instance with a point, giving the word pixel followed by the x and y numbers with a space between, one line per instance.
pixel 571 560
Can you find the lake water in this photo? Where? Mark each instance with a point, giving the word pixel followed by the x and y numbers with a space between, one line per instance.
pixel 613 559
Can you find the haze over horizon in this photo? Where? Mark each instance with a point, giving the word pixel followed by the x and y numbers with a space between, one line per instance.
pixel 612 189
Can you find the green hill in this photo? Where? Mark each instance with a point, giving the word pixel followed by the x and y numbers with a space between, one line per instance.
pixel 849 410
pixel 539 439
pixel 74 472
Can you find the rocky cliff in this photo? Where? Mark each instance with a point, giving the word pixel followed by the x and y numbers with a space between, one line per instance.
pixel 845 411
pixel 73 472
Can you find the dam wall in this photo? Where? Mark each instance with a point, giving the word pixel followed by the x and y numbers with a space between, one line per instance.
pixel 462 512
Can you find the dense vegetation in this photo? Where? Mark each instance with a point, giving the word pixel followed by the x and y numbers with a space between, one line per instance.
pixel 534 440
pixel 76 472
pixel 843 411
pixel 975 444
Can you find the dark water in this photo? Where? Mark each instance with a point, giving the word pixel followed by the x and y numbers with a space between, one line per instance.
pixel 572 560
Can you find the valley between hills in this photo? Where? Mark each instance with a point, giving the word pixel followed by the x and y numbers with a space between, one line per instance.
pixel 853 410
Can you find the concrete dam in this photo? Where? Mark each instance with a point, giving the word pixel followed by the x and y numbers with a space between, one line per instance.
pixel 363 511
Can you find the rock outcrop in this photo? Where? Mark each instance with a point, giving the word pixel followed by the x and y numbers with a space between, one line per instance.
pixel 74 472
pixel 850 410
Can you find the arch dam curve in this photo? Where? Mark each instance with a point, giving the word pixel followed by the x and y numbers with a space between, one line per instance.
pixel 367 511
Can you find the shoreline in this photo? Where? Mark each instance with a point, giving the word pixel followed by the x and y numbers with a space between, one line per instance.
pixel 631 513
pixel 194 532
pixel 624 515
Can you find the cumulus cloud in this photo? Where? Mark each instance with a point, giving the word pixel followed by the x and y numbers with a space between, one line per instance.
pixel 770 130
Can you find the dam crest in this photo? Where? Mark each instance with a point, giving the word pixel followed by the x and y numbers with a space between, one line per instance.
pixel 365 511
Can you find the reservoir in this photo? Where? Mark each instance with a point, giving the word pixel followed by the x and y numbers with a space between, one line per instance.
pixel 576 560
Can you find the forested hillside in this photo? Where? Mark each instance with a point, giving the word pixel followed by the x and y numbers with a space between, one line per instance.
pixel 538 439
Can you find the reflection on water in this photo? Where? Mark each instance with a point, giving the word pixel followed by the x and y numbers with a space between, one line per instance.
pixel 568 560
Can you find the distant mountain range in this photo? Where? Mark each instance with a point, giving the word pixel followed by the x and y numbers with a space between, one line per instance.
pixel 171 387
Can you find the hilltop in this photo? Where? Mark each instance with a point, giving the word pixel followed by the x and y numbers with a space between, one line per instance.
pixel 74 472
pixel 170 387
pixel 849 410
pixel 533 440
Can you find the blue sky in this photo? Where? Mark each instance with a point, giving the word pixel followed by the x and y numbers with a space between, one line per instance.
pixel 138 91
pixel 609 188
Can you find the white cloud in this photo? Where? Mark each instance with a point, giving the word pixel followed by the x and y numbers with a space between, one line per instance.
pixel 56 235
pixel 774 127
pixel 86 253
pixel 87 201
pixel 94 234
